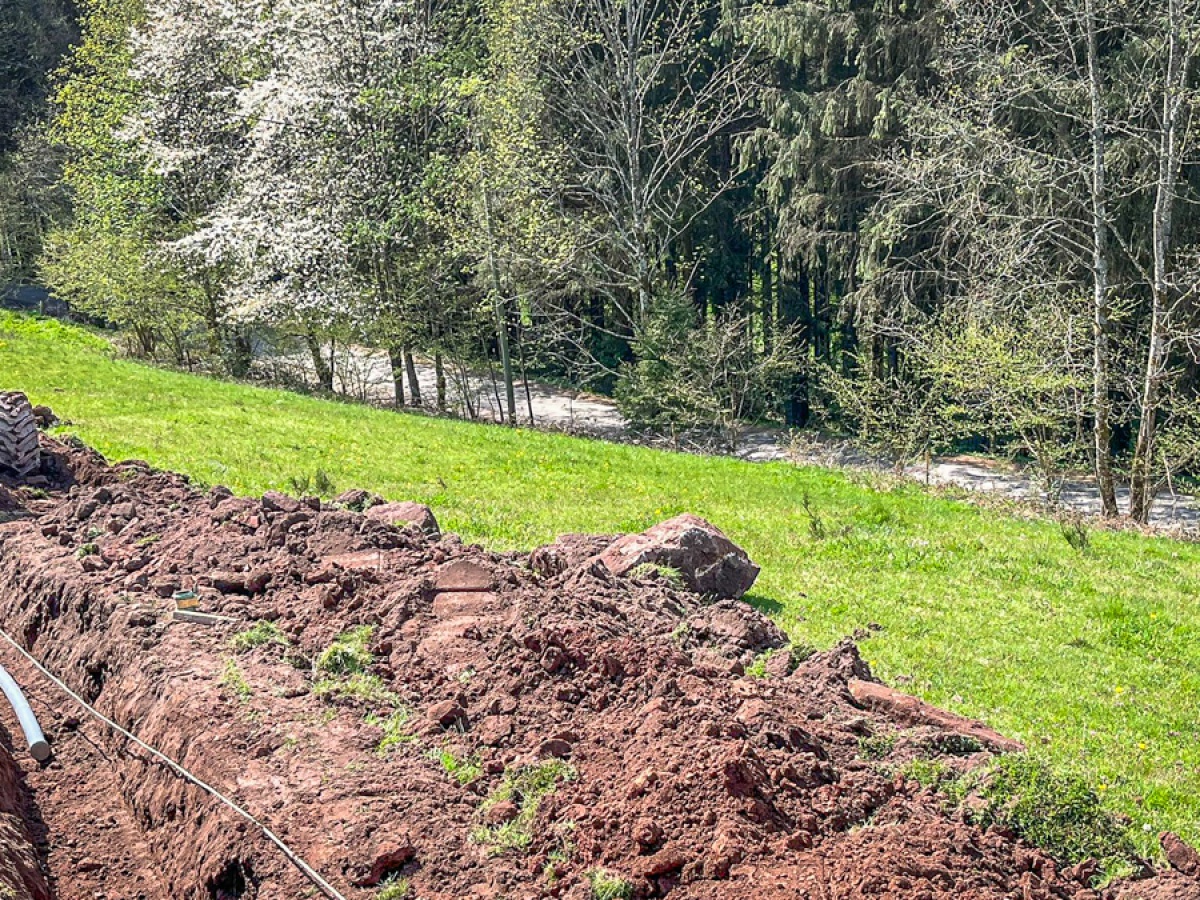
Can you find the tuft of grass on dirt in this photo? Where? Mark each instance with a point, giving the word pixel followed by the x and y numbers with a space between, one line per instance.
pixel 463 769
pixel 394 889
pixel 233 679
pixel 877 746
pixel 259 634
pixel 358 687
pixel 607 886
pixel 670 574
pixel 1092 658
pixel 1060 814
pixel 526 786
pixel 350 652
pixel 395 730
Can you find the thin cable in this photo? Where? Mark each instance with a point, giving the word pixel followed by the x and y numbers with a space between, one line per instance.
pixel 309 872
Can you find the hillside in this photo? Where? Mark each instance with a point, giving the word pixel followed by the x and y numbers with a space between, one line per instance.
pixel 1089 658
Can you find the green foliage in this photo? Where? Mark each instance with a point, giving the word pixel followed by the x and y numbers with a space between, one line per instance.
pixel 693 374
pixel 877 746
pixel 350 652
pixel 359 687
pixel 395 730
pixel 258 635
pixel 463 769
pixel 1060 814
pixel 671 575
pixel 394 888
pixel 319 484
pixel 234 680
pixel 929 773
pixel 526 786
pixel 607 886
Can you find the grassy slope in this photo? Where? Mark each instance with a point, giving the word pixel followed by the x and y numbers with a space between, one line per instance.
pixel 1093 660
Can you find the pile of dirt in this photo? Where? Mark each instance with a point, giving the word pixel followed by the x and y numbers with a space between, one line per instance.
pixel 512 725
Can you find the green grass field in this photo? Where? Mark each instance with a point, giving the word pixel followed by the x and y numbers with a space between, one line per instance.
pixel 1093 660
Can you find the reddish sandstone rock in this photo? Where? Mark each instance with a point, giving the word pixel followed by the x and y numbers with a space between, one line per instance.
pixel 406 513
pixel 709 562
pixel 911 711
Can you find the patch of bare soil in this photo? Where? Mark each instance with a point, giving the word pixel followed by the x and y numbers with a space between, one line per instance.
pixel 524 722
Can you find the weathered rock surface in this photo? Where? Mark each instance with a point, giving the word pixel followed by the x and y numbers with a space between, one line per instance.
pixel 405 513
pixel 709 562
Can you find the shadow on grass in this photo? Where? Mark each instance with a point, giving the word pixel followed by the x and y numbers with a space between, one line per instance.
pixel 767 605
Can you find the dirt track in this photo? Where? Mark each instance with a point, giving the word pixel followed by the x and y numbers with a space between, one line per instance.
pixel 665 764
pixel 366 375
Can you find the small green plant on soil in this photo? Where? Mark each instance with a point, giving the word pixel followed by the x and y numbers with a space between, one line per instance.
pixel 148 540
pixel 394 889
pixel 349 653
pixel 361 687
pixel 758 668
pixel 796 653
pixel 670 574
pixel 876 746
pixel 259 634
pixel 463 769
pixel 319 484
pixel 1075 532
pixel 88 549
pixel 1060 814
pixel 607 886
pixel 395 730
pixel 234 681
pixel 525 786
pixel 929 773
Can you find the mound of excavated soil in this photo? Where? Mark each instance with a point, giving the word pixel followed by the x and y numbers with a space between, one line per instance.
pixel 662 762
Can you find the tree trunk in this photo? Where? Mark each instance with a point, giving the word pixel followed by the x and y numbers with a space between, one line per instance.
pixel 1101 402
pixel 1141 486
pixel 439 371
pixel 396 358
pixel 500 308
pixel 322 368
pixel 414 385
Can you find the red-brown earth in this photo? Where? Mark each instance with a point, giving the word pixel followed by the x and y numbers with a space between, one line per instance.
pixel 677 771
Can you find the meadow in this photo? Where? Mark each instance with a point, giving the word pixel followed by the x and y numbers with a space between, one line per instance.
pixel 1091 658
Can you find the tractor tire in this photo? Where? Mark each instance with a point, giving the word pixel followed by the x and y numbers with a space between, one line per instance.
pixel 19 451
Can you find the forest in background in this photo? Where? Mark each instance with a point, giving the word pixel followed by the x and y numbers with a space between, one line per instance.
pixel 928 223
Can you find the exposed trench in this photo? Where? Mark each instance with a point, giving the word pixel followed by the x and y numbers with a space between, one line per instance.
pixel 150 834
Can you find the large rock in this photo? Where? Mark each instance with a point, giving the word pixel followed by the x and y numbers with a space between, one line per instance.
pixel 404 514
pixel 708 561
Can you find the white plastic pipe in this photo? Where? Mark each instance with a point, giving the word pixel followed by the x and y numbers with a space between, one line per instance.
pixel 39 747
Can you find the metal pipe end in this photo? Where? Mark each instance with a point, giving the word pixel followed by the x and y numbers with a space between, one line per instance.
pixel 40 750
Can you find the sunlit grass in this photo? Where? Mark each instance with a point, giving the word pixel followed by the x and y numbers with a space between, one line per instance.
pixel 1092 659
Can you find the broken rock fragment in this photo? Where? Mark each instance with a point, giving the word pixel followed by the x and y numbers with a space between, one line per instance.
pixel 707 560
